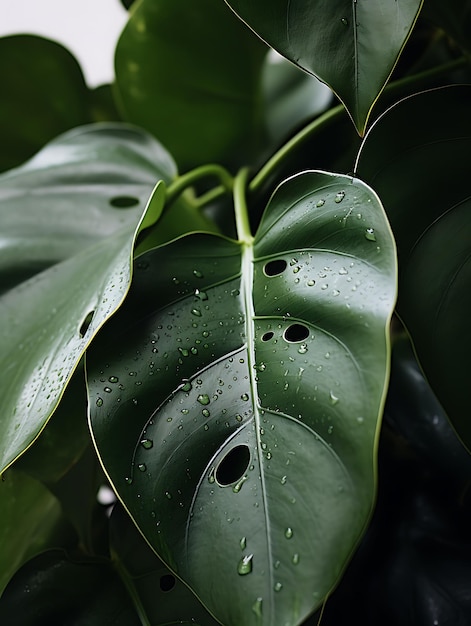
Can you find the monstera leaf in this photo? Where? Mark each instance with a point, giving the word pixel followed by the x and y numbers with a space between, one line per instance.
pixel 352 46
pixel 73 212
pixel 234 399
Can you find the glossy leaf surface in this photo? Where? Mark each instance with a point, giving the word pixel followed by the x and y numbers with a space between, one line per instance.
pixel 48 320
pixel 199 68
pixel 235 398
pixel 352 46
pixel 430 217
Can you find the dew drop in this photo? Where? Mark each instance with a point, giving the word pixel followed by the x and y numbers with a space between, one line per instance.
pixel 370 234
pixel 339 197
pixel 201 295
pixel 360 419
pixel 238 486
pixel 244 396
pixel 335 293
pixel 142 467
pixel 194 350
pixel 196 312
pixel 295 559
pixel 343 271
pixel 278 586
pixel 302 348
pixel 311 283
pixel 205 413
pixel 320 203
pixel 283 480
pixel 257 607
pixel 147 443
pixel 243 543
pixel 344 21
pixel 99 402
pixel 113 379
pixel 288 533
pixel 128 480
pixel 203 399
pixel 333 398
pixel 245 565
pixel 197 273
pixel 184 352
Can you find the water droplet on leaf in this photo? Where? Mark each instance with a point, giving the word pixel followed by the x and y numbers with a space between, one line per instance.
pixel 245 565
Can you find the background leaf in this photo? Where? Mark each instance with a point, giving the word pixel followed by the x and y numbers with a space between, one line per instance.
pixel 190 73
pixel 54 588
pixel 430 218
pixel 352 46
pixel 30 521
pixel 48 320
pixel 43 94
pixel 164 599
pixel 214 394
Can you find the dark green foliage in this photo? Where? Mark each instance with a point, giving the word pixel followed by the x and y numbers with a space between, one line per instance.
pixel 212 408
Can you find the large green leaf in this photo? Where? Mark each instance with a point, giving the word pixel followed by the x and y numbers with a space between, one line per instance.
pixel 72 194
pixel 430 217
pixel 189 73
pixel 352 46
pixel 43 94
pixel 234 399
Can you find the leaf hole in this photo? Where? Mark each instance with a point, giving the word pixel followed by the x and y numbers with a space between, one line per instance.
pixel 124 202
pixel 267 336
pixel 86 323
pixel 296 333
pixel 233 466
pixel 167 582
pixel 276 267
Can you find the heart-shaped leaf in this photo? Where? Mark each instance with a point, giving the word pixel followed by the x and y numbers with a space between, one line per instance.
pixel 47 321
pixel 352 46
pixel 234 399
pixel 199 68
pixel 430 217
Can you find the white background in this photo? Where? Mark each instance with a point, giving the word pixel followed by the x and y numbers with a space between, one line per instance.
pixel 88 28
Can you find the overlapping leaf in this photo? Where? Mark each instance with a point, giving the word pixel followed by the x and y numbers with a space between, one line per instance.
pixel 235 398
pixel 189 73
pixel 430 217
pixel 75 207
pixel 352 46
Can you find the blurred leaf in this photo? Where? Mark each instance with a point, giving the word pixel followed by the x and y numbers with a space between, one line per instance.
pixel 43 94
pixel 351 46
pixel 236 414
pixel 190 74
pixel 29 519
pixel 164 598
pixel 102 105
pixel 53 588
pixel 454 17
pixel 47 321
pixel 291 96
pixel 431 220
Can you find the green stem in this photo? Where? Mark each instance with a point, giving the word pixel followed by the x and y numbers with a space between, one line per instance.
pixel 190 178
pixel 420 80
pixel 209 196
pixel 319 123
pixel 244 233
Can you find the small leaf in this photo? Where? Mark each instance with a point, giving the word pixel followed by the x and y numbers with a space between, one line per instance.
pixel 351 45
pixel 430 218
pixel 246 381
pixel 199 67
pixel 47 321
